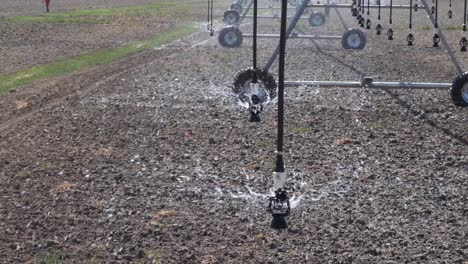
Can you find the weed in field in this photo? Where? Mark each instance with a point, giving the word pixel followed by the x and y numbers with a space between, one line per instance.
pixel 299 130
pixel 155 255
pixel 374 125
pixel 51 257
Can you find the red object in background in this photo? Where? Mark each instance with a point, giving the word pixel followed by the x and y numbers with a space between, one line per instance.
pixel 47 3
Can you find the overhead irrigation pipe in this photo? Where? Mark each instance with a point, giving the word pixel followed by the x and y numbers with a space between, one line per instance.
pixel 279 205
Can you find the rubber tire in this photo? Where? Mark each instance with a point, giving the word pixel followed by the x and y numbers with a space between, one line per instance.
pixel 232 13
pixel 457 89
pixel 314 16
pixel 349 33
pixel 244 78
pixel 237 7
pixel 227 30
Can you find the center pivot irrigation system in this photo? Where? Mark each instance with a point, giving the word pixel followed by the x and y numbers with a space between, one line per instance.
pixel 256 86
pixel 232 37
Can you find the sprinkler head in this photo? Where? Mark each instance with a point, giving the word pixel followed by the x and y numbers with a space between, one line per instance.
pixel 433 10
pixel 416 7
pixel 362 22
pixel 463 44
pixel 436 40
pixel 279 208
pixel 390 34
pixel 354 12
pixel 450 14
pixel 255 108
pixel 368 24
pixel 210 29
pixel 379 29
pixel 410 39
pixel 255 103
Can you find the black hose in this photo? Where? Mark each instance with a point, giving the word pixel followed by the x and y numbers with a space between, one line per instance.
pixel 368 7
pixel 208 12
pixel 254 78
pixel 378 17
pixel 282 55
pixel 411 15
pixel 464 18
pixel 211 14
pixel 391 10
pixel 436 25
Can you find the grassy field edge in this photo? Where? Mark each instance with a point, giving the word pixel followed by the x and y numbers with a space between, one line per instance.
pixel 69 65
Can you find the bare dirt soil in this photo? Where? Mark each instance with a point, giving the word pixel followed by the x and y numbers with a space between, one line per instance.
pixel 151 159
pixel 25 44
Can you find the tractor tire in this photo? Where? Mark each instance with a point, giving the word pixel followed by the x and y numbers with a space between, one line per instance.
pixel 353 39
pixel 230 37
pixel 317 19
pixel 231 17
pixel 459 90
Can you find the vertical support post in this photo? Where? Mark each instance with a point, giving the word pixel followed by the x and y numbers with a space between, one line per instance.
pixel 450 53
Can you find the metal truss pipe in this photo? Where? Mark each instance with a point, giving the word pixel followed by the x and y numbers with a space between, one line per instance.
pixel 364 84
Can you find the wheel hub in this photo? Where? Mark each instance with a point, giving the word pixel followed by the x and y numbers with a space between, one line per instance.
pixel 464 92
pixel 317 20
pixel 230 38
pixel 231 19
pixel 354 40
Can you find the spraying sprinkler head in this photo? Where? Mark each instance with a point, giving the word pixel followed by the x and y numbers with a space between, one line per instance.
pixel 379 29
pixel 368 24
pixel 255 103
pixel 463 44
pixel 279 207
pixel 410 39
pixel 210 29
pixel 435 40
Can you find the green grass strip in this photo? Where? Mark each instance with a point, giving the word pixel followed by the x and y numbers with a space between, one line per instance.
pixel 102 15
pixel 65 66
